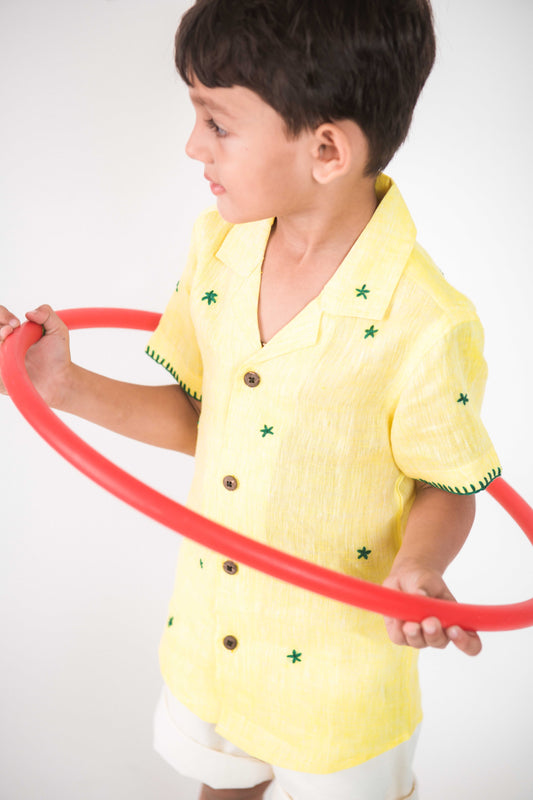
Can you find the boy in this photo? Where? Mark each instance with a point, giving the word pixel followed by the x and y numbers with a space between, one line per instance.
pixel 328 381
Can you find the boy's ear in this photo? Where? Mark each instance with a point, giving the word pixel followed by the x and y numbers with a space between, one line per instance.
pixel 338 148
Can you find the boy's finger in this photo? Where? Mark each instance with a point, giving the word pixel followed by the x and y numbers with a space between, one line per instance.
pixel 8 318
pixel 7 326
pixel 434 634
pixel 466 641
pixel 5 331
pixel 394 630
pixel 414 635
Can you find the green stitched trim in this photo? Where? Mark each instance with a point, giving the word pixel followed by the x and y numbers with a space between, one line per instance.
pixel 157 358
pixel 473 489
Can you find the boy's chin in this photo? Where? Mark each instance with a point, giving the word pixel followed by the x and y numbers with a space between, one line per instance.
pixel 236 216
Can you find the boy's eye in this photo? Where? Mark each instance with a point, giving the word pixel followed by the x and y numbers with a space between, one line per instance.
pixel 216 128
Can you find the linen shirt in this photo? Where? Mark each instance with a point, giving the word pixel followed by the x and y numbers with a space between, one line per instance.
pixel 312 444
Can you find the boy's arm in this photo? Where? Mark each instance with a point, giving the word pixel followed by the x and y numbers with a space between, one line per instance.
pixel 438 525
pixel 163 416
pixel 160 415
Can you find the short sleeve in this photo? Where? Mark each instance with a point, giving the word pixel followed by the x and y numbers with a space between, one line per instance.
pixel 173 344
pixel 437 435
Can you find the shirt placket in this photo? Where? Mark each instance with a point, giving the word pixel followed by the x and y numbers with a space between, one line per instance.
pixel 241 470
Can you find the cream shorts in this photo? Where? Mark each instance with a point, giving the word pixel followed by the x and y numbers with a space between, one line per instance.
pixel 195 750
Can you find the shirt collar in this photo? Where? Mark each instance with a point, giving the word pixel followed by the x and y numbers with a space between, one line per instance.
pixel 365 281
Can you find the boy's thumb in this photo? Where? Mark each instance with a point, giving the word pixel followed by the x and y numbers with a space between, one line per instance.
pixel 45 315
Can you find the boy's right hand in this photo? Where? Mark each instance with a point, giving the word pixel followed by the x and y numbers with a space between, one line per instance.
pixel 157 415
pixel 48 361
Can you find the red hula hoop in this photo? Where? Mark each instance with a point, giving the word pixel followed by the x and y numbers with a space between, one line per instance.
pixel 180 519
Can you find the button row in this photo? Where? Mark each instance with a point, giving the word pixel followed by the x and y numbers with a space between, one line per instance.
pixel 251 379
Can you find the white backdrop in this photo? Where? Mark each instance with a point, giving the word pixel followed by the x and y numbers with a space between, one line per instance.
pixel 97 201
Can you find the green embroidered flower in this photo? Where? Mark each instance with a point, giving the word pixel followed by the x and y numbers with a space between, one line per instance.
pixel 295 656
pixel 363 553
pixel 211 297
pixel 371 332
pixel 362 292
pixel 265 431
pixel 463 398
pixel 171 620
pixel 201 563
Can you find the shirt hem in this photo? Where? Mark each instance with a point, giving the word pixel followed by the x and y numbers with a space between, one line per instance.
pixel 310 766
pixel 271 748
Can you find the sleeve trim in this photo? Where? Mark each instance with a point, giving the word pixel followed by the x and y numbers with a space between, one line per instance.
pixel 472 489
pixel 169 368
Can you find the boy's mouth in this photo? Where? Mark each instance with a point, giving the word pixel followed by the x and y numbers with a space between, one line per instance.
pixel 216 188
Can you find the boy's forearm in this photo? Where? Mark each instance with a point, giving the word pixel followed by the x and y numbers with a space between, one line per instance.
pixel 159 415
pixel 438 525
pixel 436 530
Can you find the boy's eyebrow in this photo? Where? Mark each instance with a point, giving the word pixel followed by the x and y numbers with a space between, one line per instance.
pixel 197 99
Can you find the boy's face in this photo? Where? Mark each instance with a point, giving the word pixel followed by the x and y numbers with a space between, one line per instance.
pixel 254 170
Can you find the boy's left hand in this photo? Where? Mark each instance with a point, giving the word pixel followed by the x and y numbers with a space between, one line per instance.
pixel 428 633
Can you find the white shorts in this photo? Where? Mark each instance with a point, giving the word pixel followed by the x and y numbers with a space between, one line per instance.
pixel 195 750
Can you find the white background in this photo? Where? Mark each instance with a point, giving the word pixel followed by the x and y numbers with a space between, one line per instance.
pixel 97 203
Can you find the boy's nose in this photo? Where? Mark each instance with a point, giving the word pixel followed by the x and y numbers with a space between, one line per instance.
pixel 195 148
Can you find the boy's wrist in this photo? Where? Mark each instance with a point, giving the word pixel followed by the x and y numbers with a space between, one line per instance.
pixel 414 564
pixel 68 388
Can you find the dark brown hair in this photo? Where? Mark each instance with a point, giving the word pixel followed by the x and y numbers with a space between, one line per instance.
pixel 317 61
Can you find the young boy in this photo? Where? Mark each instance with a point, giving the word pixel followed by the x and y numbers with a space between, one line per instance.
pixel 328 381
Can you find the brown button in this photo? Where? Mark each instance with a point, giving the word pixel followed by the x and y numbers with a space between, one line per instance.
pixel 230 642
pixel 252 379
pixel 230 567
pixel 230 483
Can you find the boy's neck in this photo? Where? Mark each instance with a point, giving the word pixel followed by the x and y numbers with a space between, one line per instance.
pixel 330 226
pixel 306 249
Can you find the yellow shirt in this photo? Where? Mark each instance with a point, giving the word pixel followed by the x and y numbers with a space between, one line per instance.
pixel 312 444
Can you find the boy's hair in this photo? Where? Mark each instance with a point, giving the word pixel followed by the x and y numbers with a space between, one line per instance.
pixel 317 61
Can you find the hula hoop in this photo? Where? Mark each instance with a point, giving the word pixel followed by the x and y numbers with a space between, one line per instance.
pixel 180 519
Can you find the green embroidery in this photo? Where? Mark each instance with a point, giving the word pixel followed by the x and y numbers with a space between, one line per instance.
pixel 472 489
pixel 295 656
pixel 171 620
pixel 201 563
pixel 211 297
pixel 463 398
pixel 157 358
pixel 362 292
pixel 371 332
pixel 363 553
pixel 265 431
pixel 177 286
